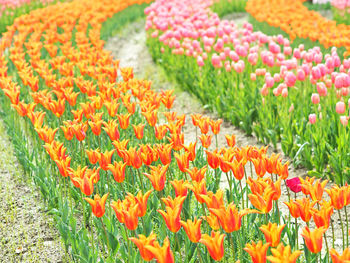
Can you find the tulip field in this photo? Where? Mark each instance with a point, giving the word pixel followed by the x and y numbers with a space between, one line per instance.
pixel 115 165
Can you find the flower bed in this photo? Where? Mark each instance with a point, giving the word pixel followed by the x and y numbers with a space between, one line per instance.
pixel 109 157
pixel 259 82
pixel 10 9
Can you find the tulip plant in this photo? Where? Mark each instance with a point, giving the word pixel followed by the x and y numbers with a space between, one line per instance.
pixel 108 155
pixel 260 83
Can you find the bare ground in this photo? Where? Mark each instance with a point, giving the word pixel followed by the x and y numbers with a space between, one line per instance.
pixel 27 233
pixel 130 47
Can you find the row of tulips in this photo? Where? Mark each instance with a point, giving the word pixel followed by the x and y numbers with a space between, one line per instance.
pixel 297 21
pixel 260 83
pixel 10 9
pixel 114 168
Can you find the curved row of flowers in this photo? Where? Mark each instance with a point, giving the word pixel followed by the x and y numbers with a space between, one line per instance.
pixel 108 137
pixel 10 9
pixel 259 82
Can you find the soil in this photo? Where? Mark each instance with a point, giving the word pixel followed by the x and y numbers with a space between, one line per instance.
pixel 27 233
pixel 130 47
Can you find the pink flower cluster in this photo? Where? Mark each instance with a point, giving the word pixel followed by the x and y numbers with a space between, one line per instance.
pixel 190 28
pixel 341 4
pixel 7 5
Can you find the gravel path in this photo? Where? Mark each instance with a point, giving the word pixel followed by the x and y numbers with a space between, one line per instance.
pixel 27 233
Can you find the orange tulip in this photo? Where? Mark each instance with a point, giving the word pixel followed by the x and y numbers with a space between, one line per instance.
pixel 272 233
pixel 197 174
pixel 214 244
pixel 134 156
pixel 177 140
pixel 183 161
pixel 260 166
pixel 305 208
pixel 213 159
pixel 63 165
pixel 118 171
pixel 263 202
pixel 214 200
pixel 322 217
pixel 131 216
pixel 231 140
pixel 93 155
pixel 180 187
pixel 162 254
pixel 283 254
pixel 105 159
pixel 172 216
pixel 336 258
pixel 111 128
pixel 138 129
pixel 141 200
pixel 160 131
pixel 164 151
pixel 79 130
pixel 215 126
pixel 68 132
pixel 230 219
pixel 98 204
pixel 168 99
pixel 151 117
pixel 86 184
pixel 157 176
pixel 203 125
pixel 77 114
pixel 191 149
pixel 338 196
pixel 121 147
pixel 205 140
pixel 212 221
pixel 315 191
pixel 112 107
pixel 124 120
pixel 199 189
pixel 313 239
pixel 193 229
pixel 46 134
pixel 96 127
pixel 257 251
pixel 142 242
pixel 237 169
pixel 293 208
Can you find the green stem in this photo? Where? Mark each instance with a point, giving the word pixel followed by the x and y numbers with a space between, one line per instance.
pixel 332 225
pixel 342 229
pixel 347 226
pixel 82 202
pixel 141 182
pixel 128 242
pixel 199 254
pixel 92 235
pixel 104 229
pixel 233 246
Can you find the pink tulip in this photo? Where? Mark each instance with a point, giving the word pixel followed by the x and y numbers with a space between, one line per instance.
pixel 315 98
pixel 340 107
pixel 344 120
pixel 312 118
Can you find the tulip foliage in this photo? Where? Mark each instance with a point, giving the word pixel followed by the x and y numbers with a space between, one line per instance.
pixel 294 96
pixel 109 156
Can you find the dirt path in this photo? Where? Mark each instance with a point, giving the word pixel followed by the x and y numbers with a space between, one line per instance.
pixel 27 233
pixel 130 47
